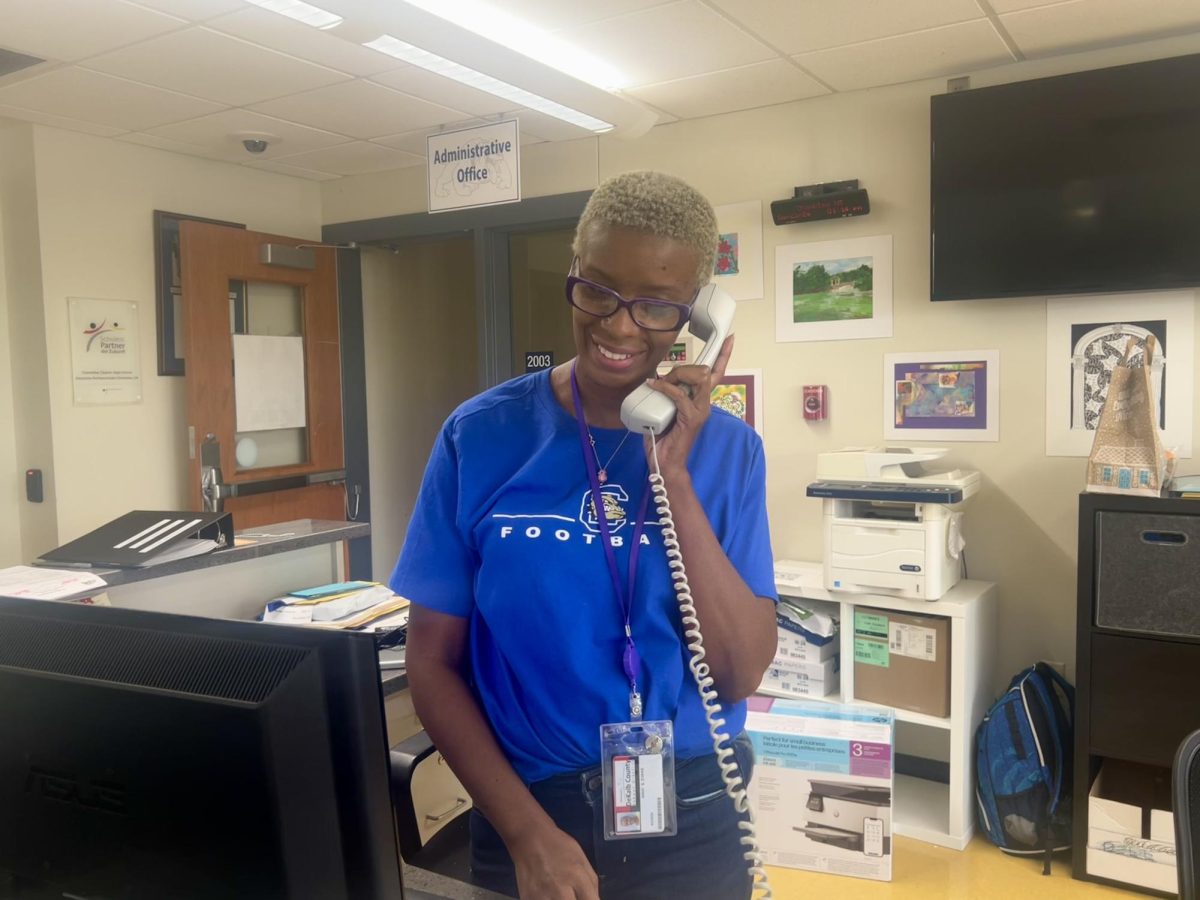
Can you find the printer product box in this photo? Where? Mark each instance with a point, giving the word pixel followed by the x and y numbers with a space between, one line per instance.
pixel 805 679
pixel 902 660
pixel 823 785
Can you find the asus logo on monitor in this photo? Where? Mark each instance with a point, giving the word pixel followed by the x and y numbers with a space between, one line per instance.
pixel 96 795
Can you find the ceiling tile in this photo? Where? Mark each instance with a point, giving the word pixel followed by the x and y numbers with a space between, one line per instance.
pixel 760 84
pixel 546 127
pixel 195 10
pixel 228 128
pixel 360 109
pixel 554 14
pixel 285 169
pixel 950 50
pixel 443 91
pixel 29 72
pixel 414 142
pixel 1004 6
pixel 356 158
pixel 797 26
pixel 668 42
pixel 92 97
pixel 69 30
pixel 302 41
pixel 222 153
pixel 31 115
pixel 1082 24
pixel 215 66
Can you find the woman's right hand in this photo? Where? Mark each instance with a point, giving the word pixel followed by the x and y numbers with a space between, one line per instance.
pixel 551 865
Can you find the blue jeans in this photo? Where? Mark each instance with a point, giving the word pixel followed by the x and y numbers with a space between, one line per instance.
pixel 702 862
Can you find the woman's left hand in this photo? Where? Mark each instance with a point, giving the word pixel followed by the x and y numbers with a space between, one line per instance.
pixel 692 411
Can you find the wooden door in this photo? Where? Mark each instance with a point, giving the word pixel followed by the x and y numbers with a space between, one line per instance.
pixel 278 425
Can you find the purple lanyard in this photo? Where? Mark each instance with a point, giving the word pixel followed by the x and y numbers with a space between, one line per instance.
pixel 630 661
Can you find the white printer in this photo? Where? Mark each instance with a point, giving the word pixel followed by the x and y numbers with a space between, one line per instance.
pixel 891 525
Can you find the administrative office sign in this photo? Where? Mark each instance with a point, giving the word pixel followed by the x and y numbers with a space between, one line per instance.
pixel 473 167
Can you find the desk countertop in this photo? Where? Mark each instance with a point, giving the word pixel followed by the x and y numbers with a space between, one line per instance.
pixel 251 543
pixel 394 680
pixel 267 541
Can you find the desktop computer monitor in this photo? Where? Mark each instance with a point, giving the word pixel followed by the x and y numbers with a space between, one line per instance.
pixel 148 755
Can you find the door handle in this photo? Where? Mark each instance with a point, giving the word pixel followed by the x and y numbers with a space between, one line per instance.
pixel 459 804
pixel 212 491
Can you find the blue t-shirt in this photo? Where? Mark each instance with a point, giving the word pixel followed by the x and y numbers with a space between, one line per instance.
pixel 503 533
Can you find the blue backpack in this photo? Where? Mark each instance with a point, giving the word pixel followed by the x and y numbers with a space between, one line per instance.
pixel 1023 765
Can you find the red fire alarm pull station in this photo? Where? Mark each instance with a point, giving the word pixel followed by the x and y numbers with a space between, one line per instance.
pixel 815 402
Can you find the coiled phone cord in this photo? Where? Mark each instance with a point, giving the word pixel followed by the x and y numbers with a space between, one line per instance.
pixel 735 788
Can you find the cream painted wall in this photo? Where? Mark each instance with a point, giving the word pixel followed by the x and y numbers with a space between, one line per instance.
pixel 11 487
pixel 1022 527
pixel 94 203
pixel 419 334
pixel 29 395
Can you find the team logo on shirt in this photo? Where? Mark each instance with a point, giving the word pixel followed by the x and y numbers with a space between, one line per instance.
pixel 557 528
pixel 613 499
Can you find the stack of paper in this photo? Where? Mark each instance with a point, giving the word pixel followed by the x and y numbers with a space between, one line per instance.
pixel 351 605
pixel 46 584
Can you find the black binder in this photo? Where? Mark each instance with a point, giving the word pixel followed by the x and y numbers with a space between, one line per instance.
pixel 146 538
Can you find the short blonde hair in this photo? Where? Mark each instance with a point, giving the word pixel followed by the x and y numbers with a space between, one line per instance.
pixel 657 204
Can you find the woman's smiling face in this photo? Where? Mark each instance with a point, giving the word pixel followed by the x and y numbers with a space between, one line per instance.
pixel 615 352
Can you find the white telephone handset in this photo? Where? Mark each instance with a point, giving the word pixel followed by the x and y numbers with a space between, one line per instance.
pixel 646 409
pixel 651 412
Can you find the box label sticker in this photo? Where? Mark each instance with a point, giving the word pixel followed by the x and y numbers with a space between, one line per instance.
pixel 913 641
pixel 871 759
pixel 870 624
pixel 871 653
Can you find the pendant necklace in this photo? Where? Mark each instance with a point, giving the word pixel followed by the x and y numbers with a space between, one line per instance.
pixel 602 474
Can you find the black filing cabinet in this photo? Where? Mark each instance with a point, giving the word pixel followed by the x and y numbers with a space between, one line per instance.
pixel 1138 641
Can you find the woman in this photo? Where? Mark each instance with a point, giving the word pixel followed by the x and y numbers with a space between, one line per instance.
pixel 521 617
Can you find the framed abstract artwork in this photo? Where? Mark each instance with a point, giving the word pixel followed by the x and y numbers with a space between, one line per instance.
pixel 740 393
pixel 739 266
pixel 942 396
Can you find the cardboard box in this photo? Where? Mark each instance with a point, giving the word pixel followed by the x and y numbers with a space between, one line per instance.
pixel 822 787
pixel 817 679
pixel 1118 847
pixel 902 660
pixel 799 648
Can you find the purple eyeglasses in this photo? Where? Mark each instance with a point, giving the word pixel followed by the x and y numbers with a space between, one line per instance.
pixel 647 312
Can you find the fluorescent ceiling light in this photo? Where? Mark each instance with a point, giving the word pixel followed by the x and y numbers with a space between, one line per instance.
pixel 442 66
pixel 301 12
pixel 495 24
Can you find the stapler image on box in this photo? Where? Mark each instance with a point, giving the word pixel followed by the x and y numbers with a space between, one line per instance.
pixel 852 816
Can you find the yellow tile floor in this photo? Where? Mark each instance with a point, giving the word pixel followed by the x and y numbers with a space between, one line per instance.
pixel 922 871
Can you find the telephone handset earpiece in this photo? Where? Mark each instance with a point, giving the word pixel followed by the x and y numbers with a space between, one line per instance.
pixel 648 410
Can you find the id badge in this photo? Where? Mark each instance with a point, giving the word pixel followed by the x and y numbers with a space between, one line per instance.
pixel 638 768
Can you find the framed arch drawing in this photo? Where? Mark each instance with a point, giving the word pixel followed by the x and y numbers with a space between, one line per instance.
pixel 1086 337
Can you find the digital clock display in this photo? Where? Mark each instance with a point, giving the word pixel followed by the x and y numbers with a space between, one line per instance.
pixel 829 206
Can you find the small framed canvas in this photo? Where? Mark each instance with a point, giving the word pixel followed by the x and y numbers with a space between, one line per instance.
pixel 740 393
pixel 932 396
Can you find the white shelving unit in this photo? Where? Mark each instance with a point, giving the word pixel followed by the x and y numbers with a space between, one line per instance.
pixel 931 811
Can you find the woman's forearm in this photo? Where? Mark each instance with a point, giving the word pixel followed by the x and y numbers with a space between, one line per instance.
pixel 739 629
pixel 452 717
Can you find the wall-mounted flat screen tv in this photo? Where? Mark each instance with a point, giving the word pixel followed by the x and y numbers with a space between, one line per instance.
pixel 1076 184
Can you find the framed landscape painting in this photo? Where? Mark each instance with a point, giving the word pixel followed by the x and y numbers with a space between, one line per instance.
pixel 834 290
